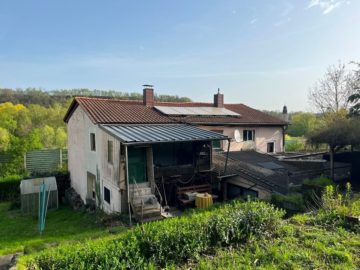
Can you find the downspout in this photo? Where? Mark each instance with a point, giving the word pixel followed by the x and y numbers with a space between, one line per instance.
pixel 127 182
pixel 227 157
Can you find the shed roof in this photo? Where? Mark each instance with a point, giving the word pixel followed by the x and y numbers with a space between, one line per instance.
pixel 150 134
pixel 30 186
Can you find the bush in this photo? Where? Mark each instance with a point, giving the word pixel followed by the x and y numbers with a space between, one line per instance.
pixel 321 181
pixel 10 188
pixel 167 242
pixel 292 201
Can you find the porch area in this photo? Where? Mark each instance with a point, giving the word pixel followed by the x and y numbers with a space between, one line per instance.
pixel 165 166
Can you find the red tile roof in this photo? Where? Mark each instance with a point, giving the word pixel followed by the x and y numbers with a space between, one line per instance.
pixel 111 111
pixel 106 110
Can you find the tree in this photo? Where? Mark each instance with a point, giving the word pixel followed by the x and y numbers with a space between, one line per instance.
pixel 332 92
pixel 354 99
pixel 302 124
pixel 338 134
pixel 4 139
pixel 47 136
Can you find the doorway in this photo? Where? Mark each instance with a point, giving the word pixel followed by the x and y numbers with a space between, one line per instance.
pixel 137 165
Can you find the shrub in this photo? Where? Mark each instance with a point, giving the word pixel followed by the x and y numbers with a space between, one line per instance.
pixel 321 181
pixel 167 242
pixel 292 201
pixel 10 188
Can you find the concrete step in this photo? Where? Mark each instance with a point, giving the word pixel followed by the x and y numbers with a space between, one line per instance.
pixel 146 199
pixel 148 214
pixel 140 191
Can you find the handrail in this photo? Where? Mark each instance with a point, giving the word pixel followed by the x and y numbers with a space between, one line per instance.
pixel 142 201
pixel 158 191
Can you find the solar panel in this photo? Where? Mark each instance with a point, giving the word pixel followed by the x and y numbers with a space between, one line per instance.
pixel 202 111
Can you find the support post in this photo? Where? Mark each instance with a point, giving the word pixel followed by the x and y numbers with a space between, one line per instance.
pixel 227 157
pixel 127 182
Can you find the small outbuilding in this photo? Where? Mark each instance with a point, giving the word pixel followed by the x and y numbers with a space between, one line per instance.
pixel 30 189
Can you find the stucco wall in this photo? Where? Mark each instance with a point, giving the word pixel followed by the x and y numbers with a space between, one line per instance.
pixel 263 135
pixel 82 160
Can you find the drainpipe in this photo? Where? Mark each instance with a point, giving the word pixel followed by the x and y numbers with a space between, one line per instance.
pixel 127 182
pixel 227 156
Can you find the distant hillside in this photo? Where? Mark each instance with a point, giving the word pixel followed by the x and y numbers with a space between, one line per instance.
pixel 49 98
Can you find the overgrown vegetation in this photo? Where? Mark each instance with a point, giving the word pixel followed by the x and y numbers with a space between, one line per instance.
pixel 173 241
pixel 296 247
pixel 9 188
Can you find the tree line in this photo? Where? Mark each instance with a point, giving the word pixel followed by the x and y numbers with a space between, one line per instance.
pixel 32 119
pixel 49 98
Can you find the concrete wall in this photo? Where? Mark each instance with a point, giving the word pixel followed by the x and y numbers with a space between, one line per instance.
pixel 263 135
pixel 82 160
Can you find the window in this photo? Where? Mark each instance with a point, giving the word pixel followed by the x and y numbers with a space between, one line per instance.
pixel 271 147
pixel 217 144
pixel 92 142
pixel 106 195
pixel 110 152
pixel 249 135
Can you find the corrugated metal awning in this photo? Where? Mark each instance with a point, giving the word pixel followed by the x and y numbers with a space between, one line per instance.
pixel 150 134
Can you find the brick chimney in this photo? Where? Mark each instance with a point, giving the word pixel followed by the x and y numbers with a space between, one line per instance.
pixel 219 99
pixel 148 95
pixel 285 115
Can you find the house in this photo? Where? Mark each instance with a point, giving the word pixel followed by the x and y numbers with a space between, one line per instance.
pixel 248 128
pixel 125 155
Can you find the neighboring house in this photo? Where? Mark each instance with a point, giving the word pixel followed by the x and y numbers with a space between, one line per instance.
pixel 249 129
pixel 121 152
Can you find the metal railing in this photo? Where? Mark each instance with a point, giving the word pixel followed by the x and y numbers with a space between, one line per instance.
pixel 142 201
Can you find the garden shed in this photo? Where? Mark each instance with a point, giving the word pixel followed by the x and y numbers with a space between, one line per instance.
pixel 30 189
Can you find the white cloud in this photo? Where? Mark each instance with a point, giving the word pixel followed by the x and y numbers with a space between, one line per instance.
pixel 326 6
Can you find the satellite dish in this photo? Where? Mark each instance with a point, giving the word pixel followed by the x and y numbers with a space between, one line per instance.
pixel 237 135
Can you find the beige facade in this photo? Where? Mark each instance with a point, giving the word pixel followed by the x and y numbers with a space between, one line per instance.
pixel 86 164
pixel 262 136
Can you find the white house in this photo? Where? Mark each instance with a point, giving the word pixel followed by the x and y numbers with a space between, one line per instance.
pixel 120 151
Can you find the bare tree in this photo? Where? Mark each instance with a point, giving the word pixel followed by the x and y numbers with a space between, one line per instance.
pixel 332 92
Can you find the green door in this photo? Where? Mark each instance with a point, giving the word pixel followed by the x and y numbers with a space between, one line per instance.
pixel 137 165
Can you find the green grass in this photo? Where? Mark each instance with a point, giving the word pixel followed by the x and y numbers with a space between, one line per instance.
pixel 19 232
pixel 297 247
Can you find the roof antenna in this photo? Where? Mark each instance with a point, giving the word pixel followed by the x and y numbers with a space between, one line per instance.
pixel 218 90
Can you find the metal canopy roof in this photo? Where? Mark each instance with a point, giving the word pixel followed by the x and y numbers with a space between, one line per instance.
pixel 200 111
pixel 150 134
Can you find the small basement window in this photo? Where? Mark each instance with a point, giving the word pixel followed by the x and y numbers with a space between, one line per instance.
pixel 106 195
pixel 271 147
pixel 110 152
pixel 249 135
pixel 92 142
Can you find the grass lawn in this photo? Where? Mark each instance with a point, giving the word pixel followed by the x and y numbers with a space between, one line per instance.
pixel 19 232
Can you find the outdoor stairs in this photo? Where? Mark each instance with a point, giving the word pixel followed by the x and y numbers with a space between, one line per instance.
pixel 144 204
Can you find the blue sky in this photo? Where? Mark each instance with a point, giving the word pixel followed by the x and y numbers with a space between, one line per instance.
pixel 261 53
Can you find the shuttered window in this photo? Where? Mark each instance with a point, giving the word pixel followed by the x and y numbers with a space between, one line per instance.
pixel 106 195
pixel 110 152
pixel 92 142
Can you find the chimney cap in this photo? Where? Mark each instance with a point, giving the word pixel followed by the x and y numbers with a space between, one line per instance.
pixel 285 111
pixel 148 86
